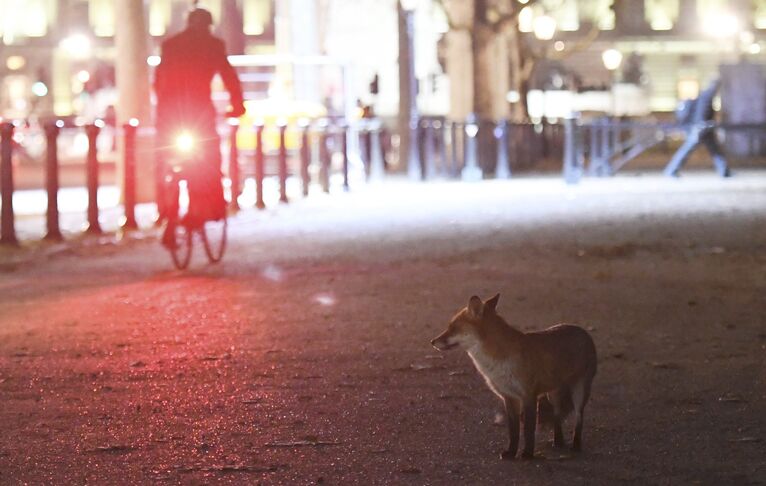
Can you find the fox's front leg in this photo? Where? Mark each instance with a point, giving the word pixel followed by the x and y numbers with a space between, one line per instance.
pixel 530 422
pixel 512 415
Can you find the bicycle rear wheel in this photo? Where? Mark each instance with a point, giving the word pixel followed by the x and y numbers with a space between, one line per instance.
pixel 214 238
pixel 182 250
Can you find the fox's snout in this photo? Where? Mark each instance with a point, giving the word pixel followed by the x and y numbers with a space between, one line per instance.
pixel 442 343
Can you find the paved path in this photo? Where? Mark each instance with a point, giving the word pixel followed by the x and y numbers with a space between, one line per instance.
pixel 304 357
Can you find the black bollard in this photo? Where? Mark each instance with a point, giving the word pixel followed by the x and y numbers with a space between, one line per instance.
pixel 305 156
pixel 429 163
pixel 366 136
pixel 259 169
pixel 91 165
pixel 455 128
pixel 324 156
pixel 344 147
pixel 7 226
pixel 129 176
pixel 52 180
pixel 282 125
pixel 234 177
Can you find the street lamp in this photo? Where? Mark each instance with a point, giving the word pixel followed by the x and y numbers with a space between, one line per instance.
pixel 408 87
pixel 544 27
pixel 612 59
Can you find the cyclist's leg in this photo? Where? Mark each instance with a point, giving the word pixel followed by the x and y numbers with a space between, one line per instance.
pixel 206 200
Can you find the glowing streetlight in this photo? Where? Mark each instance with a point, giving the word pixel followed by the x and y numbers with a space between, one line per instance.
pixel 544 27
pixel 720 24
pixel 612 59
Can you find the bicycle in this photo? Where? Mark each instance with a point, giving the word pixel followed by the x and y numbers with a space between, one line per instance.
pixel 187 167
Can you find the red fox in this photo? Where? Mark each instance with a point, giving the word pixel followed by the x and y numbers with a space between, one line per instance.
pixel 557 364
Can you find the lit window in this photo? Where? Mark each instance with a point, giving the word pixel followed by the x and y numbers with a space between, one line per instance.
pixel 599 12
pixel 661 14
pixel 526 19
pixel 759 14
pixel 256 16
pixel 159 17
pixel 23 18
pixel 565 13
pixel 101 16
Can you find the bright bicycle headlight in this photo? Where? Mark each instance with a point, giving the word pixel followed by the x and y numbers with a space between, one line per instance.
pixel 185 142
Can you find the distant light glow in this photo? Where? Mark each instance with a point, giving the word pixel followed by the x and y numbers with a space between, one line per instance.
pixel 559 46
pixel 14 63
pixel 153 61
pixel 612 59
pixel 513 96
pixel 39 89
pixel 544 27
pixel 133 122
pixel 720 24
pixel 83 76
pixel 754 48
pixel 78 46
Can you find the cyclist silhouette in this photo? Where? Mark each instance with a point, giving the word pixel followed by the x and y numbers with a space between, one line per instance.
pixel 189 61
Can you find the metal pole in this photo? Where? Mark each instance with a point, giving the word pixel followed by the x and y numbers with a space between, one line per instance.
pixel 377 167
pixel 324 156
pixel 259 169
pixel 52 181
pixel 572 173
pixel 234 177
pixel 305 156
pixel 91 164
pixel 344 146
pixel 414 169
pixel 471 171
pixel 502 168
pixel 441 137
pixel 452 170
pixel 430 172
pixel 282 125
pixel 129 129
pixel 7 227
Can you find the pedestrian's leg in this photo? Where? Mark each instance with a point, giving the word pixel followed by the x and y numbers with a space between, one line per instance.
pixel 719 161
pixel 679 158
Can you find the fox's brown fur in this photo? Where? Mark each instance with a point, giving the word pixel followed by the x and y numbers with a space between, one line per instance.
pixel 547 372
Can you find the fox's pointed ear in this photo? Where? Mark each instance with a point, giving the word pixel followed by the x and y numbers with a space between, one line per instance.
pixel 491 304
pixel 475 306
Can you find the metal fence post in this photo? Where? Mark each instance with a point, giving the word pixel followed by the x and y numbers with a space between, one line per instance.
pixel 502 168
pixel 471 171
pixel 429 163
pixel 377 167
pixel 129 130
pixel 344 146
pixel 259 165
pixel 52 180
pixel 7 226
pixel 324 156
pixel 91 164
pixel 234 176
pixel 454 128
pixel 282 125
pixel 305 155
pixel 572 172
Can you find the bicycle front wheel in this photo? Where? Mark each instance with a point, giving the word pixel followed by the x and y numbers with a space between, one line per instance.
pixel 214 239
pixel 182 250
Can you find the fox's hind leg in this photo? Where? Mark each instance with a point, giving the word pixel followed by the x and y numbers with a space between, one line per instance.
pixel 580 395
pixel 512 415
pixel 557 399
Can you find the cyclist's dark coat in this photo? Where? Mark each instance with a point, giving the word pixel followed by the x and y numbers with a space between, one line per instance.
pixel 189 61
